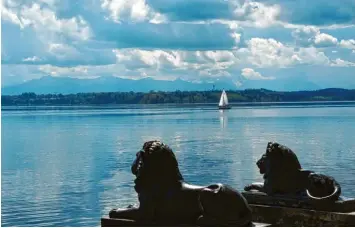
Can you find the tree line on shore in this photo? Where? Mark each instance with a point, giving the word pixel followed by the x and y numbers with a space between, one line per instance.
pixel 177 97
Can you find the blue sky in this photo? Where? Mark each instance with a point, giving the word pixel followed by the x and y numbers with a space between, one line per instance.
pixel 194 40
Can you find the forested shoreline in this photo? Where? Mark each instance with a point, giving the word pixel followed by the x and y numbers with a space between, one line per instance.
pixel 177 97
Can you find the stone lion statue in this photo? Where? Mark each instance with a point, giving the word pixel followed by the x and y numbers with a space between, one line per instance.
pixel 283 174
pixel 165 198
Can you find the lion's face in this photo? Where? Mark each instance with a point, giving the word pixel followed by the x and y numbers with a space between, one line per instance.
pixel 277 157
pixel 261 163
pixel 264 162
pixel 155 164
pixel 137 164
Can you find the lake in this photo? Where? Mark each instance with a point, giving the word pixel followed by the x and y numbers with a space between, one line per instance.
pixel 68 166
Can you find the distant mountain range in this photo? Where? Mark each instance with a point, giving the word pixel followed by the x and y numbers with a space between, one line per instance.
pixel 68 85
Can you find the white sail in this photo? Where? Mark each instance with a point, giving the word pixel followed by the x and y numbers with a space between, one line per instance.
pixel 221 101
pixel 224 99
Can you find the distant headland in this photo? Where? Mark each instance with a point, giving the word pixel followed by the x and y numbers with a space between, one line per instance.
pixel 177 97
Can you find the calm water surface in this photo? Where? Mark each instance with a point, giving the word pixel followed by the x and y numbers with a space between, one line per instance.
pixel 69 167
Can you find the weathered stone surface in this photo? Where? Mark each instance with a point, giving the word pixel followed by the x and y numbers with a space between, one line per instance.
pixel 261 198
pixel 287 216
pixel 291 196
pixel 110 222
pixel 263 215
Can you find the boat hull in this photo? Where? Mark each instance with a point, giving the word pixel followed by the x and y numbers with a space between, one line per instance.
pixel 224 107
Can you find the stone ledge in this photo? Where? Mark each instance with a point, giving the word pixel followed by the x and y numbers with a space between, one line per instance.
pixel 109 222
pixel 286 216
pixel 260 198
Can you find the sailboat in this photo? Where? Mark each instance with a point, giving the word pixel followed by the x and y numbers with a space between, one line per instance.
pixel 223 102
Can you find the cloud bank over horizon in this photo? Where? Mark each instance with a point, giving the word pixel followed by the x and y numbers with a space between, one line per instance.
pixel 195 40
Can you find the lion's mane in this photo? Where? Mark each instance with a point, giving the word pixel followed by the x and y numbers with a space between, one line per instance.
pixel 156 165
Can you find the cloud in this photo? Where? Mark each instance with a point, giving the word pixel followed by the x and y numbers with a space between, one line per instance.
pixel 136 10
pixel 10 16
pixel 45 22
pixel 311 36
pixel 250 74
pixel 305 36
pixel 19 73
pixel 325 40
pixel 317 13
pixel 170 36
pixel 180 63
pixel 42 38
pixel 193 10
pixel 349 44
pixel 32 59
pixel 19 43
pixel 262 13
pixel 192 65
pixel 198 11
pixel 138 63
pixel 342 63
pixel 57 54
pixel 259 14
pixel 271 53
pixel 60 54
pixel 156 59
pixel 35 26
pixel 77 71
pixel 168 39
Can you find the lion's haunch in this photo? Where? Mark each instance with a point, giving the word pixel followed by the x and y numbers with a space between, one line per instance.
pixel 224 205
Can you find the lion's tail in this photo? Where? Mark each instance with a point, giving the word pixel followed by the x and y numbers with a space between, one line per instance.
pixel 332 197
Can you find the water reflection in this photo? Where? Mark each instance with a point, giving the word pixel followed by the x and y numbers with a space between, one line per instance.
pixel 223 118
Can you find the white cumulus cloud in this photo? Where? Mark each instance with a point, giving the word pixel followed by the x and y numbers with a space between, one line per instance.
pixel 311 36
pixel 32 59
pixel 271 53
pixel 325 40
pixel 45 20
pixel 136 10
pixel 257 13
pixel 250 74
pixel 350 44
pixel 9 15
pixel 342 63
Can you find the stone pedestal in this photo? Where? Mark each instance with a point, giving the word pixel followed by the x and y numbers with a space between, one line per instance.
pixel 287 216
pixel 260 198
pixel 282 210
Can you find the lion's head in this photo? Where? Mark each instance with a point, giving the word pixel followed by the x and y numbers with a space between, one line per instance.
pixel 155 166
pixel 278 158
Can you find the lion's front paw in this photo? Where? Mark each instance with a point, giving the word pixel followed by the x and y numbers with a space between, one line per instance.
pixel 254 186
pixel 248 187
pixel 113 213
